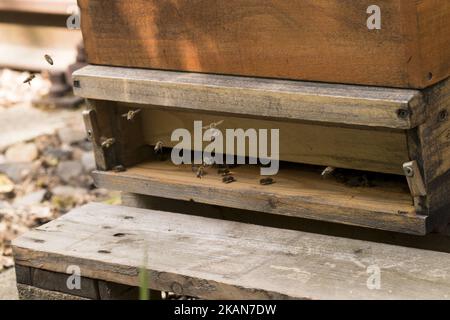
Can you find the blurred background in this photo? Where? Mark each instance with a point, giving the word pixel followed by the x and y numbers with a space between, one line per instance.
pixel 45 157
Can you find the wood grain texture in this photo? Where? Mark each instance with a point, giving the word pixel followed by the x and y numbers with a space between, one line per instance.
pixel 214 259
pixel 27 292
pixel 294 100
pixel 433 142
pixel 296 193
pixel 312 40
pixel 36 283
pixel 358 148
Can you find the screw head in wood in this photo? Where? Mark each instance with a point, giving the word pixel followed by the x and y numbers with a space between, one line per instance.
pixel 403 113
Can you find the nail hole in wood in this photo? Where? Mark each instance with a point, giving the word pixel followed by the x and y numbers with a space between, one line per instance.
pixel 443 115
pixel 119 235
pixel 402 113
pixel 430 76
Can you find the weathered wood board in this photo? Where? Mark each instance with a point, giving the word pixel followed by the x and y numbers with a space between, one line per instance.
pixel 327 41
pixel 296 193
pixel 268 98
pixel 216 259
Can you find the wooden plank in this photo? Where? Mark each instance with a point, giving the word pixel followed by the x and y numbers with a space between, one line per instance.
pixel 215 259
pixel 27 292
pixel 434 145
pixel 297 193
pixel 358 148
pixel 325 103
pixel 326 41
pixel 433 241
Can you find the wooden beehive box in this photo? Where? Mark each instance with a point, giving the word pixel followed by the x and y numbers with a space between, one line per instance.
pixel 402 135
pixel 327 41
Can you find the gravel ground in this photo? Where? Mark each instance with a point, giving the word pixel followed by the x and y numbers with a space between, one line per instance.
pixel 8 290
pixel 45 165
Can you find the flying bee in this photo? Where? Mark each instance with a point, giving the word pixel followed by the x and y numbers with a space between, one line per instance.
pixel 130 115
pixel 328 172
pixel 159 147
pixel 213 125
pixel 49 59
pixel 228 179
pixel 107 143
pixel 29 79
pixel 214 131
pixel 266 181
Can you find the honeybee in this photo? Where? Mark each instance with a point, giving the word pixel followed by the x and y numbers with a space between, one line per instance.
pixel 119 168
pixel 266 181
pixel 130 115
pixel 159 147
pixel 200 172
pixel 107 143
pixel 228 179
pixel 48 59
pixel 214 125
pixel 215 132
pixel 328 172
pixel 29 79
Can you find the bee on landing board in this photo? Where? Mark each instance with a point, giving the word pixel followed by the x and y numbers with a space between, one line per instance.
pixel 200 172
pixel 29 79
pixel 119 168
pixel 228 179
pixel 130 115
pixel 328 172
pixel 266 181
pixel 159 147
pixel 49 59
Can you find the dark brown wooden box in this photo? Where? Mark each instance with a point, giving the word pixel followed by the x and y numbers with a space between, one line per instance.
pixel 403 134
pixel 326 40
